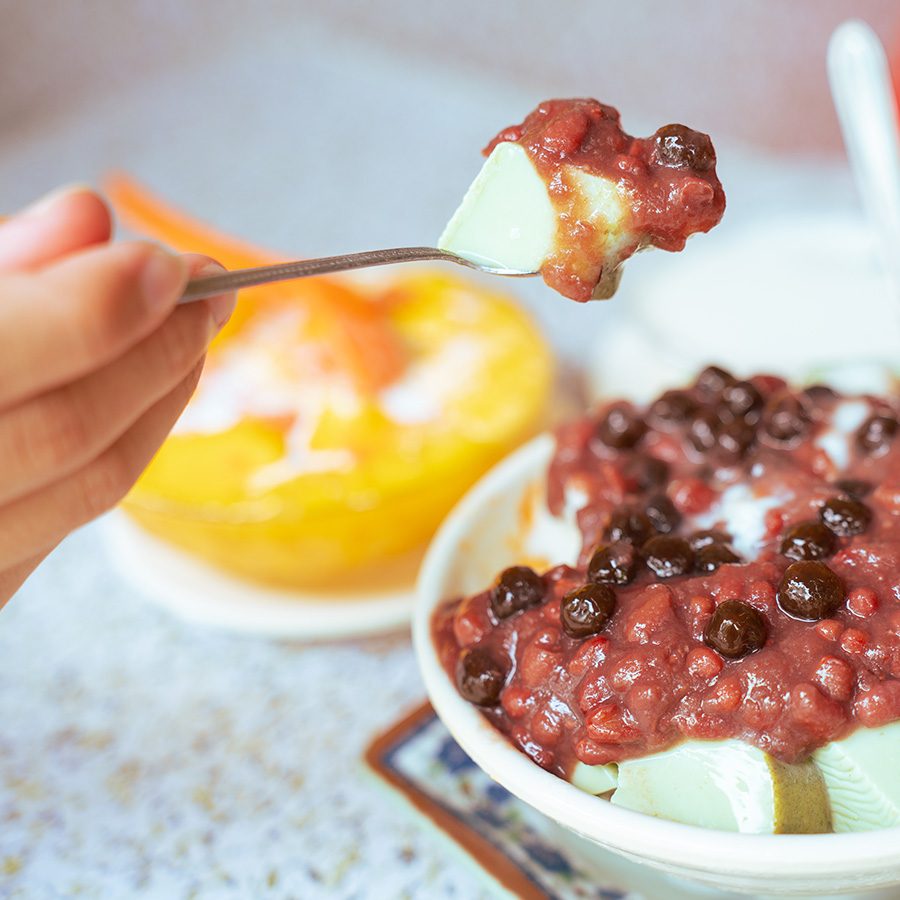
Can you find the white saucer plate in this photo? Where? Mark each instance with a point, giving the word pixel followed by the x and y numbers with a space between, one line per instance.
pixel 204 595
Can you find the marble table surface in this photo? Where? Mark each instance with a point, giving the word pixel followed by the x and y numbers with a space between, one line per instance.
pixel 141 757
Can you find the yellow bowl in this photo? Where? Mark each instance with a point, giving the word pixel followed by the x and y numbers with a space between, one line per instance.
pixel 378 467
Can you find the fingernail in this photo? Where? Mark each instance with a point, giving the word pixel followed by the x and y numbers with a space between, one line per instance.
pixel 220 307
pixel 48 201
pixel 163 277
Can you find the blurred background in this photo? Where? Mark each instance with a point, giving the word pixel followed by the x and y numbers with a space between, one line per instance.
pixel 149 757
pixel 317 128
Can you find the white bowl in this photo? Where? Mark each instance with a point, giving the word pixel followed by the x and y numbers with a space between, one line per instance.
pixel 478 539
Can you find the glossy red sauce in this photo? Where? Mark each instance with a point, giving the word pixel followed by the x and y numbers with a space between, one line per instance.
pixel 668 181
pixel 648 680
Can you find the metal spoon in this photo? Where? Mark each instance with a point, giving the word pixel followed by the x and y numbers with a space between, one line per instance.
pixel 864 99
pixel 210 285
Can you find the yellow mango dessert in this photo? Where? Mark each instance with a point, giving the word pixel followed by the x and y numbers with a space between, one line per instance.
pixel 335 424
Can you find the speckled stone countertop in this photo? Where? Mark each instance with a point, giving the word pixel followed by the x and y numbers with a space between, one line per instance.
pixel 141 757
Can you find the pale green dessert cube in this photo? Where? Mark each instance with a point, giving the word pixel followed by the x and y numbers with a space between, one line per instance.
pixel 507 218
pixel 727 785
pixel 862 776
pixel 594 779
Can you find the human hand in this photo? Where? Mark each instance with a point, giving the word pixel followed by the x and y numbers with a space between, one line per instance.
pixel 96 364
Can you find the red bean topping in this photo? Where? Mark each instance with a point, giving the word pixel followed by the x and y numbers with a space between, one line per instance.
pixel 703 664
pixel 785 419
pixel 835 677
pixel 741 399
pixel 810 591
pixel 682 147
pixel 668 556
pixel 628 524
pixel 712 381
pixel 662 514
pixel 734 439
pixel 610 724
pixel 829 629
pixel 517 588
pixel 876 433
pixel 664 633
pixel 479 677
pixel 671 409
pixel 862 602
pixel 853 640
pixel 621 428
pixel 710 558
pixel 646 473
pixel 855 487
pixel 703 432
pixel 807 540
pixel 736 630
pixel 691 495
pixel 614 563
pixel 845 518
pixel 812 709
pixel 587 610
pixel 819 393
pixel 700 539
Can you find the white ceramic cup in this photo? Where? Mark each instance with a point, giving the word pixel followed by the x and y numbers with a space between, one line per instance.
pixel 800 297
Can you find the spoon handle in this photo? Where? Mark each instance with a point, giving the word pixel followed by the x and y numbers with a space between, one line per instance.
pixel 210 285
pixel 866 107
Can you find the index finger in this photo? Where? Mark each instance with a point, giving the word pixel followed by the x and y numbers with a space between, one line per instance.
pixel 64 221
pixel 76 315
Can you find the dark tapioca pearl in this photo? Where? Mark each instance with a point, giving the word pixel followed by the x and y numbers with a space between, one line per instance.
pixel 712 381
pixel 734 439
pixel 646 472
pixel 820 393
pixel 662 514
pixel 807 540
pixel 810 591
pixel 479 677
pixel 671 409
pixel 876 433
pixel 680 147
pixel 700 539
pixel 704 430
pixel 668 556
pixel 628 524
pixel 736 629
pixel 855 487
pixel 742 399
pixel 845 517
pixel 709 558
pixel 587 609
pixel 614 563
pixel 621 427
pixel 785 419
pixel 517 588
